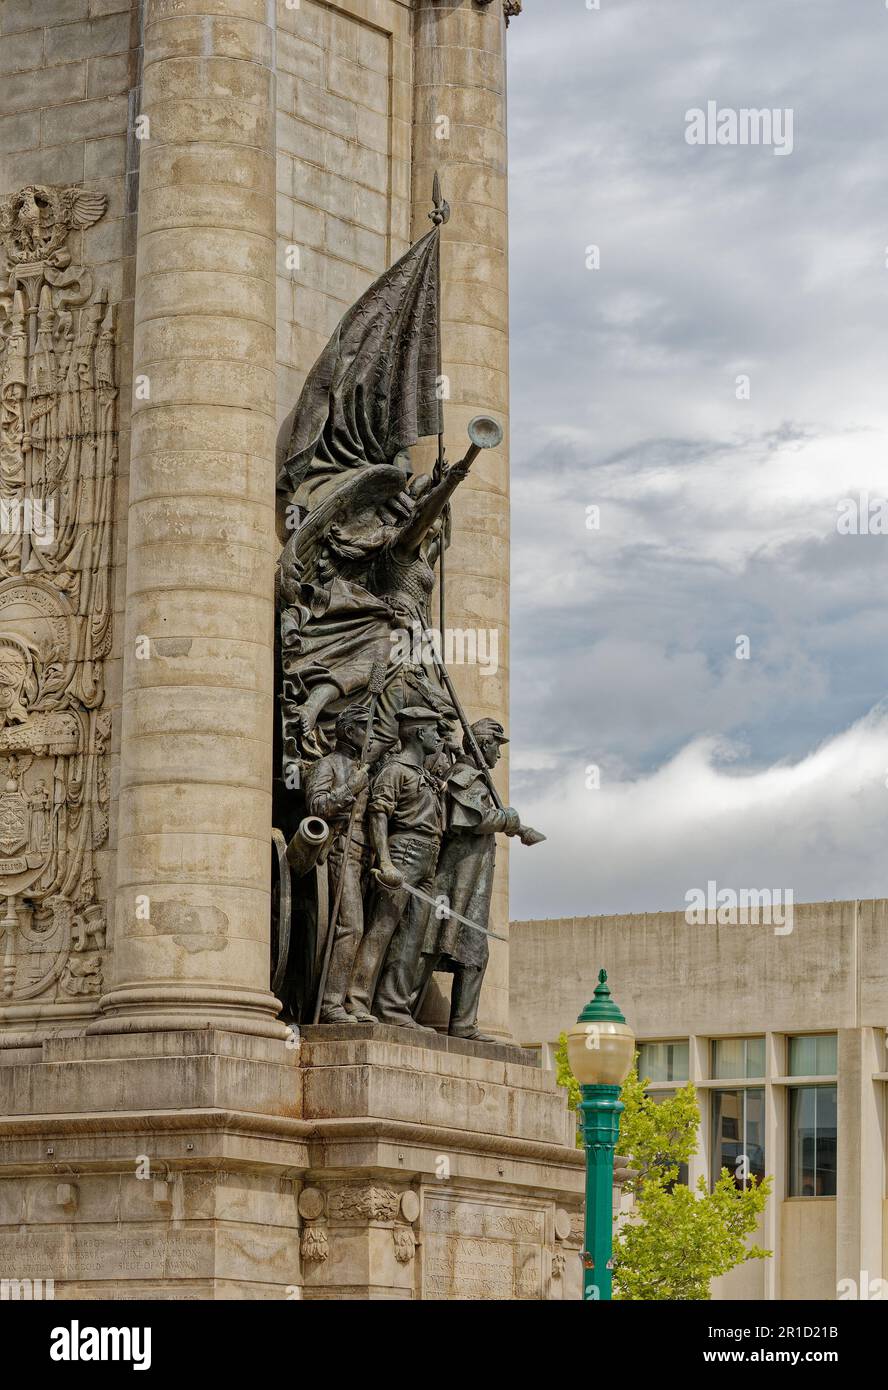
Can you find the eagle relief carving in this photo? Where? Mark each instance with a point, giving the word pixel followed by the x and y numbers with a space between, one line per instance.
pixel 58 457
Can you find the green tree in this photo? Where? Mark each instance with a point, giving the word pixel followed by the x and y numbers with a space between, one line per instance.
pixel 676 1240
pixel 565 1077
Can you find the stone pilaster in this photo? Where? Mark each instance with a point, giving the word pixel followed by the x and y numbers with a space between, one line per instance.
pixel 459 129
pixel 192 911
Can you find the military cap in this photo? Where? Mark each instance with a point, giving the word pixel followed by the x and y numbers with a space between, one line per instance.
pixel 417 714
pixel 353 714
pixel 489 728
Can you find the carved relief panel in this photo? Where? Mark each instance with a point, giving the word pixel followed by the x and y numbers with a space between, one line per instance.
pixel 58 455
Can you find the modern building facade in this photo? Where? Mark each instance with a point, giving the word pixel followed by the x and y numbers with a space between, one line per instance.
pixel 783 1033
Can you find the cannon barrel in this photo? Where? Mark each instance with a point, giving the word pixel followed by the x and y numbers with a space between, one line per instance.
pixel 306 846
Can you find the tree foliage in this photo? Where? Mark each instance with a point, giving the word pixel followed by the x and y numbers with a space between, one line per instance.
pixel 566 1078
pixel 676 1239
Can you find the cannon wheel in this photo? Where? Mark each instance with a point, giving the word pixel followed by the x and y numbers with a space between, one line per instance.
pixel 281 912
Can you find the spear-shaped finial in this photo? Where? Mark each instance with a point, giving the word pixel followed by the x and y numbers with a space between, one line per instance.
pixel 441 210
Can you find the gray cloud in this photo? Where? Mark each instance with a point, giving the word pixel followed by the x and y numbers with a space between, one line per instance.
pixel 717 515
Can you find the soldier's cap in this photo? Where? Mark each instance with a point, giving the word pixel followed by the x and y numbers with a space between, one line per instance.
pixel 489 728
pixel 352 714
pixel 417 714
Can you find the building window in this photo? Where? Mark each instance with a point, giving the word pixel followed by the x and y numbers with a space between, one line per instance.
pixel 738 1133
pixel 815 1055
pixel 812 1141
pixel 663 1061
pixel 733 1058
pixel 812 1117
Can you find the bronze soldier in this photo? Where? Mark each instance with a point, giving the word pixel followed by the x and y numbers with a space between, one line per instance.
pixel 406 824
pixel 465 879
pixel 333 786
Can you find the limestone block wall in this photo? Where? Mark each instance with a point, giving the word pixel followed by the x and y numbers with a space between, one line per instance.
pixel 344 107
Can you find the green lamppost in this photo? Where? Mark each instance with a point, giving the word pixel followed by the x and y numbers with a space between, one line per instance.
pixel 600 1047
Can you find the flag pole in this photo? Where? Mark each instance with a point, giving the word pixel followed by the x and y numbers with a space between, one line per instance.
pixel 439 215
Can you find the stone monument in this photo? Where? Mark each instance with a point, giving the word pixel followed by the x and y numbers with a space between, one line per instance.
pixel 246 840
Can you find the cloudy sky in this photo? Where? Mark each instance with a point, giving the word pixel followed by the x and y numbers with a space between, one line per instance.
pixel 717 515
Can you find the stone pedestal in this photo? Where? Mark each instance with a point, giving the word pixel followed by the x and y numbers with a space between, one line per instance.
pixel 358 1164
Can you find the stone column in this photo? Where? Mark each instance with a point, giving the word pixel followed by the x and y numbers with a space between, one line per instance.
pixel 192 913
pixel 459 128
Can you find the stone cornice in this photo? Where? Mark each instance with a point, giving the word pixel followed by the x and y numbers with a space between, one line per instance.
pixel 241 1123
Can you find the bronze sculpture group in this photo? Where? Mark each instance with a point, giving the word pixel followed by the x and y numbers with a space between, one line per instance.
pixel 386 814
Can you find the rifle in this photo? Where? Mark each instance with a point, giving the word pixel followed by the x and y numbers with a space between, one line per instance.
pixel 526 833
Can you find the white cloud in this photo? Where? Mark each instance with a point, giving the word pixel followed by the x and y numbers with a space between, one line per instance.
pixel 816 826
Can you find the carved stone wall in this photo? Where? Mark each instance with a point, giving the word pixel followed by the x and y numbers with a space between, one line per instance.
pixel 68 192
pixel 58 458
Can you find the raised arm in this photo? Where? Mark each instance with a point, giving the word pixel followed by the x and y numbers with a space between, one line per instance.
pixel 429 508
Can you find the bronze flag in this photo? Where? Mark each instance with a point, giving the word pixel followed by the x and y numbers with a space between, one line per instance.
pixel 374 389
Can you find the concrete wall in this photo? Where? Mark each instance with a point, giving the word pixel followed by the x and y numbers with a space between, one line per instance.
pixel 808 1249
pixel 741 979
